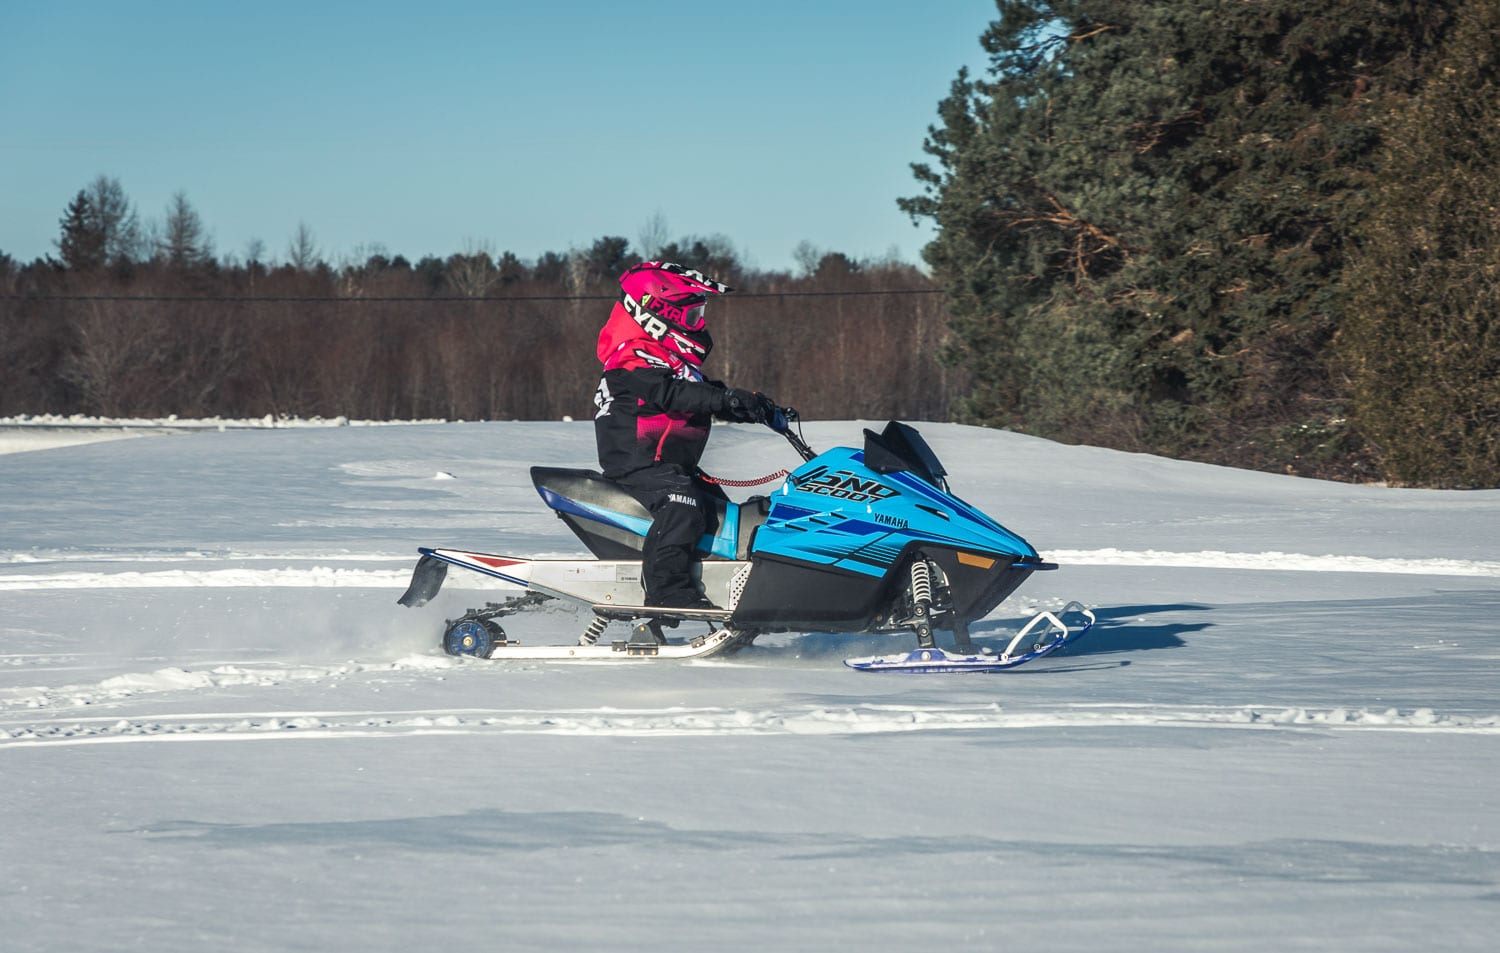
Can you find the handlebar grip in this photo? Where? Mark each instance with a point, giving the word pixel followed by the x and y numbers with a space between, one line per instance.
pixel 781 420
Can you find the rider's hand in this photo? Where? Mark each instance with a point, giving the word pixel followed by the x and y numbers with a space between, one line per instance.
pixel 747 407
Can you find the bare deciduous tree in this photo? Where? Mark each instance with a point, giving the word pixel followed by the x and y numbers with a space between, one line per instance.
pixel 118 222
pixel 183 242
pixel 807 255
pixel 302 251
pixel 472 271
pixel 255 253
pixel 654 235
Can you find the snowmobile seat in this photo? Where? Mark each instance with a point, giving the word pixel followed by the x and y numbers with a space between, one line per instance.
pixel 610 521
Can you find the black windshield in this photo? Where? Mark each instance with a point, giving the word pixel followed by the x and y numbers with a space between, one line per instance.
pixel 900 448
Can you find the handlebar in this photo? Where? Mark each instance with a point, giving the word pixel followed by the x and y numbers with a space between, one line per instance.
pixel 782 422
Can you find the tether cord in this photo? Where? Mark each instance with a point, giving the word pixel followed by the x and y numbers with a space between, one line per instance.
pixel 742 483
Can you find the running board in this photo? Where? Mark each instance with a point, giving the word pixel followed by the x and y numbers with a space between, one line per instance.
pixel 662 612
pixel 619 650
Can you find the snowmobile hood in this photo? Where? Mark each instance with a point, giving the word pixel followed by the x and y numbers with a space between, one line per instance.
pixel 836 510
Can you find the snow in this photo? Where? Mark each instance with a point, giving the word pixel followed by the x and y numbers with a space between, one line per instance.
pixel 1284 733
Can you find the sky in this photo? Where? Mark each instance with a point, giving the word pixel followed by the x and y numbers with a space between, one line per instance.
pixel 461 125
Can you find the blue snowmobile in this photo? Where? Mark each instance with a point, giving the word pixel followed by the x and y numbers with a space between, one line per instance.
pixel 854 540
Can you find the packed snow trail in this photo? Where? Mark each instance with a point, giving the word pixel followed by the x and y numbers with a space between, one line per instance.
pixel 326 577
pixel 1259 747
pixel 787 720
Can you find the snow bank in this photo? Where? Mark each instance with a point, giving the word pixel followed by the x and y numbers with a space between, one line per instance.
pixel 28 432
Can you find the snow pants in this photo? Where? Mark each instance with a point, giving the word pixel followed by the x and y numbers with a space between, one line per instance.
pixel 677 504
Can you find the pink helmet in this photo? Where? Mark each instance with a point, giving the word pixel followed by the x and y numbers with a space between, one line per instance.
pixel 670 292
pixel 667 301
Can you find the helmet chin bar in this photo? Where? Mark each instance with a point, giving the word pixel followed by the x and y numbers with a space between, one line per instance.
pixel 651 322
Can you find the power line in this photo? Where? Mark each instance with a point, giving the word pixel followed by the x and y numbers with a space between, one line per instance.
pixel 437 299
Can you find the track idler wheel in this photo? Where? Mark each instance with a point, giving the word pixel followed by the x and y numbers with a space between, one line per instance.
pixel 476 637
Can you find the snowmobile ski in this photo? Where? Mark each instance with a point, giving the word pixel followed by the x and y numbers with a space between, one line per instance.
pixel 938 661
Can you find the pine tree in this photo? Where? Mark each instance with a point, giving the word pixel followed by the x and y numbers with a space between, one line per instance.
pixel 1142 215
pixel 100 227
pixel 1421 343
pixel 81 243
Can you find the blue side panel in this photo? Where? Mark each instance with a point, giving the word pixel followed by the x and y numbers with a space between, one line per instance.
pixel 725 544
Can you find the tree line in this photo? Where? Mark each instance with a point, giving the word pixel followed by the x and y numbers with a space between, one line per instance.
pixel 1255 233
pixel 1259 233
pixel 134 319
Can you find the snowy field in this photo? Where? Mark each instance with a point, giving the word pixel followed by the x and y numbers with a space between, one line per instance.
pixel 218 731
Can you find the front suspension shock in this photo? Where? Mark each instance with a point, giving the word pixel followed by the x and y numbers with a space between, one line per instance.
pixel 921 598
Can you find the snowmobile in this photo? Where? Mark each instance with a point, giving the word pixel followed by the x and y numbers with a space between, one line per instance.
pixel 857 540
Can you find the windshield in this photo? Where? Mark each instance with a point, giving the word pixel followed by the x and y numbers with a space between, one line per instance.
pixel 899 448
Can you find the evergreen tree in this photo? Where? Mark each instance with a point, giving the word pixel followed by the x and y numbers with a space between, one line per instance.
pixel 1421 342
pixel 1142 215
pixel 432 271
pixel 81 243
pixel 551 268
pixel 713 254
pixel 100 227
pixel 605 259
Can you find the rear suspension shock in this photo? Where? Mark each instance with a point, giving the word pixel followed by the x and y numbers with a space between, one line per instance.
pixel 596 628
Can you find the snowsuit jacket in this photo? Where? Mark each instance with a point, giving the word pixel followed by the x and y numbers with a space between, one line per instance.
pixel 653 407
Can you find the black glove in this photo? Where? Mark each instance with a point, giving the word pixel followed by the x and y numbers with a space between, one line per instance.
pixel 747 407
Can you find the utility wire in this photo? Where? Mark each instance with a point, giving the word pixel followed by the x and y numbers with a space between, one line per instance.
pixel 444 299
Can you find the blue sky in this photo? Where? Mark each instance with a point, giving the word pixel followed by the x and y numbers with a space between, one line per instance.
pixel 524 127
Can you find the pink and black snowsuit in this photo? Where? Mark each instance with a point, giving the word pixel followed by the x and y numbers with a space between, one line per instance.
pixel 655 410
pixel 654 415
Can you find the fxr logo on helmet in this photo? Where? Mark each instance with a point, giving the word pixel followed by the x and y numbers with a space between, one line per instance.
pixel 659 329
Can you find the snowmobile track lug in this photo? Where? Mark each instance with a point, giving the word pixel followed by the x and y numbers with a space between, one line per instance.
pixel 495 610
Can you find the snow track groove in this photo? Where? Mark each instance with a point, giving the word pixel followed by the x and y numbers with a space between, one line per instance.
pixel 330 577
pixel 789 720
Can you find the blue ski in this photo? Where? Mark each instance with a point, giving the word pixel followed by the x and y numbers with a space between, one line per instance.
pixel 938 661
